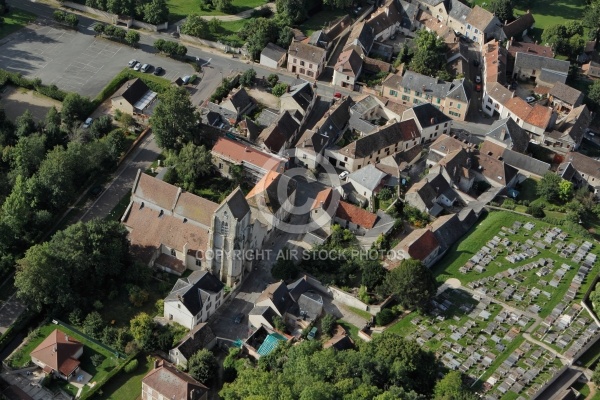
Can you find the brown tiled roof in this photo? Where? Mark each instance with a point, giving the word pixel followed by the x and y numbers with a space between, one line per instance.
pixel 195 208
pixel 170 262
pixel 155 191
pixel 566 93
pixel 306 52
pixel 374 66
pixel 446 144
pixel 519 25
pixel 495 62
pixel 174 384
pixel 349 63
pixel 488 147
pixel 279 132
pixel 519 107
pixel 419 244
pixel 531 48
pixel 396 107
pixel 494 169
pixel 584 164
pixel 480 18
pixel 440 29
pixel 539 116
pixel 57 352
pixel 386 136
pixel 356 215
pixel 384 16
pixel 238 153
pixel 149 229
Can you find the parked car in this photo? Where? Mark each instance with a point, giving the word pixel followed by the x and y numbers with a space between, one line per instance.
pixel 476 63
pixel 478 79
pixel 137 66
pixel 238 318
pixel 186 79
pixel 87 123
pixel 337 95
pixel 96 190
pixel 478 87
pixel 530 99
pixel 158 71
pixel 344 174
pixel 132 63
pixel 312 334
pixel 145 67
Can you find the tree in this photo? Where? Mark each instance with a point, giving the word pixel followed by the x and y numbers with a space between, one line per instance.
pixel 272 79
pixel 99 28
pixel 286 34
pixel 412 284
pixel 116 143
pixel 596 375
pixel 247 78
pixel 280 89
pixel 132 37
pixel 27 155
pixel 195 25
pixel 503 9
pixel 591 19
pixel 548 186
pixel 96 359
pixel 294 11
pixel 284 269
pixel 429 55
pixel 93 324
pixel 223 5
pixel 141 327
pixel 279 323
pixel 101 126
pixel 214 25
pixel 384 317
pixel 202 366
pixel 159 45
pixel 74 107
pixel 594 94
pixel 156 12
pixel 258 33
pixel 191 164
pixel 565 190
pixel 175 119
pixel 25 124
pixel 328 324
pixel 372 273
pixel 127 121
pixel 451 387
pixel 339 4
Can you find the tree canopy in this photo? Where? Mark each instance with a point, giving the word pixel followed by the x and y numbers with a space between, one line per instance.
pixel 202 366
pixel 412 284
pixel 191 164
pixel 503 9
pixel 548 186
pixel 175 120
pixel 389 367
pixel 429 55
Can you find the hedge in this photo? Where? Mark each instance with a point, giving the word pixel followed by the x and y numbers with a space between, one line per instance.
pixel 21 322
pixel 155 83
pixel 17 79
pixel 112 373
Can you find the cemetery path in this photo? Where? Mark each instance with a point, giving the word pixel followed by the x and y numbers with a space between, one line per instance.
pixel 507 306
pixel 528 337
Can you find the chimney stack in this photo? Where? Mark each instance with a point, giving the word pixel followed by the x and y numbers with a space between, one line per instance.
pixel 503 134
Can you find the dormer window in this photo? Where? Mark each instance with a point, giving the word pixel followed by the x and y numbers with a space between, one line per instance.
pixel 173 252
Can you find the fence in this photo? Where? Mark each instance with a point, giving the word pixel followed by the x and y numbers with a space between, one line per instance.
pixel 86 337
pixel 144 25
pixel 113 18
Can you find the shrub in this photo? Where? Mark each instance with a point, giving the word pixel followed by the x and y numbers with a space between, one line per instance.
pixel 96 359
pixel 384 317
pixel 536 210
pixel 328 323
pixel 280 89
pixel 131 366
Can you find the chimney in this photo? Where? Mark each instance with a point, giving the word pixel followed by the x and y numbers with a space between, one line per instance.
pixel 66 338
pixel 503 134
pixel 155 363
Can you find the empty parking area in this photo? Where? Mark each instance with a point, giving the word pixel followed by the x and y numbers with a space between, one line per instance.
pixel 75 61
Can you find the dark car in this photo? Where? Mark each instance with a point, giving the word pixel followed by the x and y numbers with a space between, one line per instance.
pixel 158 71
pixel 96 190
pixel 478 87
pixel 476 63
pixel 238 318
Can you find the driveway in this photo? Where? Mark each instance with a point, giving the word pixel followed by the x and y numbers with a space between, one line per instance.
pixel 75 61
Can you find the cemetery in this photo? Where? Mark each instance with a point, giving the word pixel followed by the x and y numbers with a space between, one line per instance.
pixel 517 317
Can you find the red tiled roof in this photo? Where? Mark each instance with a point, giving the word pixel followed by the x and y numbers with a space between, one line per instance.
pixel 531 48
pixel 238 152
pixel 57 352
pixel 419 244
pixel 356 215
pixel 322 199
pixel 539 116
pixel 171 383
pixel 519 107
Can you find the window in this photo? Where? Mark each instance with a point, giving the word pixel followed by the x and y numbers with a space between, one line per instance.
pixel 170 317
pixel 173 253
pixel 418 94
pixel 178 305
pixel 454 113
pixel 428 97
pixel 405 98
pixel 347 78
pixel 198 262
pixel 446 125
pixel 406 90
pixel 476 31
pixel 437 127
pixel 458 105
pixel 310 66
pixel 302 63
pixel 438 101
pixel 450 104
pixel 393 93
pixel 345 158
pixel 469 26
pixel 304 156
pixel 224 227
pixel 416 101
pixel 218 296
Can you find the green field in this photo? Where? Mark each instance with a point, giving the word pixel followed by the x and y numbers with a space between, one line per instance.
pixel 180 9
pixel 320 20
pixel 14 20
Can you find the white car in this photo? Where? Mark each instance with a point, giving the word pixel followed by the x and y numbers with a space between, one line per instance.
pixel 132 63
pixel 137 66
pixel 478 79
pixel 87 123
pixel 530 99
pixel 344 174
pixel 145 67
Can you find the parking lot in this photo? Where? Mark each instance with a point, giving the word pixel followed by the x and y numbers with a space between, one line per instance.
pixel 75 61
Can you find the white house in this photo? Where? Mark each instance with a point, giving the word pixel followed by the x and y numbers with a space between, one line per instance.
pixel 430 121
pixel 194 299
pixel 273 56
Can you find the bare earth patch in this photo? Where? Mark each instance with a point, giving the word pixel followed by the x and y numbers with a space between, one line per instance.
pixel 15 101
pixel 264 98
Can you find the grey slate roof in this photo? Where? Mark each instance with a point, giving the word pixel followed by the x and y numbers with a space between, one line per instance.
pixel 132 91
pixel 310 304
pixel 515 137
pixel 240 99
pixel 550 76
pixel 385 137
pixel 279 132
pixel 238 204
pixel 428 115
pixel 458 91
pixel 369 176
pixel 532 61
pixel 361 34
pixel 267 117
pixel 425 84
pixel 458 10
pixel 574 125
pixel 273 52
pixel 298 287
pixel 409 16
pixel 360 125
pixel 566 93
pixel 319 38
pixel 303 94
pixel 279 295
pixel 198 338
pixel 188 290
pixel 265 311
pixel 525 163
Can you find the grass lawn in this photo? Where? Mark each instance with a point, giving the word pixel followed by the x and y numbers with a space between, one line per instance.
pixel 179 9
pixel 351 329
pixel 15 20
pixel 126 386
pixel 319 20
pixel 228 32
pixel 359 312
pixel 527 190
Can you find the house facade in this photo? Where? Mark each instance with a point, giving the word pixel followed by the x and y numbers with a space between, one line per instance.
pixel 482 25
pixel 58 355
pixel 165 381
pixel 306 60
pixel 199 337
pixel 194 299
pixel 273 56
pixel 430 121
pixel 347 69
